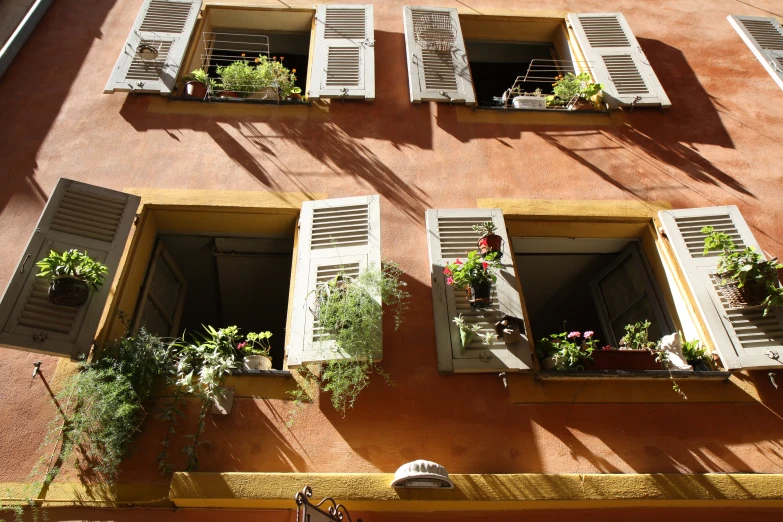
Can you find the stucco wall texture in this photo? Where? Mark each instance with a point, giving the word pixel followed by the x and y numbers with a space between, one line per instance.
pixel 719 144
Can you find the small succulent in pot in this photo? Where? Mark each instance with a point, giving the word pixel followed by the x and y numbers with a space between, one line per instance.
pixel 72 274
pixel 489 241
pixel 196 83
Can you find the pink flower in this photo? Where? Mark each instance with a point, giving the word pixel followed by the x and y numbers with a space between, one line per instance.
pixel 485 265
pixel 241 346
pixel 457 262
pixel 447 271
pixel 607 348
pixel 450 281
pixel 574 334
pixel 589 334
pixel 483 241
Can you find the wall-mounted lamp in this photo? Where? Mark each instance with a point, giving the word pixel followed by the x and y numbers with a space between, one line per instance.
pixel 422 474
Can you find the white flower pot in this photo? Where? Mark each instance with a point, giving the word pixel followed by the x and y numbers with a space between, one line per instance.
pixel 529 102
pixel 257 362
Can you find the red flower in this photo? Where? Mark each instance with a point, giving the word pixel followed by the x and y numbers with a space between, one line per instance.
pixel 450 281
pixel 457 262
pixel 483 241
pixel 447 271
pixel 485 265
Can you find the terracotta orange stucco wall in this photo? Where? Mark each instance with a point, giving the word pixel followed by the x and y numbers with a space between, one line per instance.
pixel 720 143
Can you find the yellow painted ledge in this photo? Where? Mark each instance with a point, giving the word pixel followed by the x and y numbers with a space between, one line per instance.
pixel 99 495
pixel 372 491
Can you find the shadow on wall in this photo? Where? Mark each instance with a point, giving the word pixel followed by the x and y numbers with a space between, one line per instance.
pixel 35 94
pixel 661 143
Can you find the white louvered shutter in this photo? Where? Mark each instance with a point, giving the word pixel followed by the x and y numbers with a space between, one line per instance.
pixel 164 25
pixel 81 216
pixel 335 236
pixel 344 56
pixel 437 71
pixel 451 236
pixel 163 296
pixel 744 338
pixel 617 60
pixel 764 36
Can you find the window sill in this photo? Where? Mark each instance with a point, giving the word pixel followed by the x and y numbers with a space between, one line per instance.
pixel 639 375
pixel 241 101
pixel 540 111
pixel 239 372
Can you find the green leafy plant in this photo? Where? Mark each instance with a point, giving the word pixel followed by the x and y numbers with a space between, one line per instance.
pixel 468 331
pixel 637 337
pixel 568 350
pixel 74 264
pixel 349 312
pixel 693 351
pixel 256 344
pixel 245 77
pixel 485 229
pixel 744 266
pixel 197 75
pixel 570 87
pixel 476 270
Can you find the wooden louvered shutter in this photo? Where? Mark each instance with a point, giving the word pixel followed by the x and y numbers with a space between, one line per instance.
pixel 335 236
pixel 162 297
pixel 165 26
pixel 344 56
pixel 743 338
pixel 451 236
pixel 438 67
pixel 617 60
pixel 81 216
pixel 764 36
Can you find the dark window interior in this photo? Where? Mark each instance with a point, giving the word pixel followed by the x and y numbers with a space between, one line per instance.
pixel 293 47
pixel 234 281
pixel 496 65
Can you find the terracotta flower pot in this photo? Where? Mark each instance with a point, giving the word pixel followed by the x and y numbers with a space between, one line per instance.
pixel 490 243
pixel 68 291
pixel 228 94
pixel 622 360
pixel 195 90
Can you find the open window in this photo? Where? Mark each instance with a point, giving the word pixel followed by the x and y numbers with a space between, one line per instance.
pixel 582 284
pixel 190 266
pixel 487 60
pixel 764 37
pixel 330 48
pixel 744 338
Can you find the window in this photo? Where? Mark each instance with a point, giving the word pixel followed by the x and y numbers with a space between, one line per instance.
pixel 330 46
pixel 622 277
pixel 764 36
pixel 474 59
pixel 585 284
pixel 188 266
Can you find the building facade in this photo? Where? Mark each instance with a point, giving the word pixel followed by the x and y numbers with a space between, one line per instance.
pixel 401 128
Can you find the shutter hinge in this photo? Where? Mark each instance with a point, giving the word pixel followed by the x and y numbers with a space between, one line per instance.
pixel 136 219
pixel 772 354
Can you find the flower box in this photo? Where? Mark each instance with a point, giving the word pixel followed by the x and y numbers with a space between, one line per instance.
pixel 622 360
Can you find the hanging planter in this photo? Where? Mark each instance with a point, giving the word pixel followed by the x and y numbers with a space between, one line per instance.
pixel 72 273
pixel 752 293
pixel 475 276
pixel 68 291
pixel 488 241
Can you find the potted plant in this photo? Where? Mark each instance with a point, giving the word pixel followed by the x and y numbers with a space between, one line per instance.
pixel 636 352
pixel 575 92
pixel 468 331
pixel 476 276
pixel 695 355
pixel 747 279
pixel 566 351
pixel 72 274
pixel 524 100
pixel 196 83
pixel 256 349
pixel 488 240
pixel 262 79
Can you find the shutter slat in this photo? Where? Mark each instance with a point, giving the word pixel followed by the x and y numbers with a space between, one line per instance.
pixel 28 320
pixel 344 53
pixel 616 60
pixel 742 337
pixel 165 26
pixel 764 37
pixel 451 236
pixel 437 60
pixel 336 236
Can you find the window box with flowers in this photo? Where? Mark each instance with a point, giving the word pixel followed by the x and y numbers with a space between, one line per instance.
pixel 475 276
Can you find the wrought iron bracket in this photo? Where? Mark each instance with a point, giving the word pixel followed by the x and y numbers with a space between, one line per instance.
pixel 306 511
